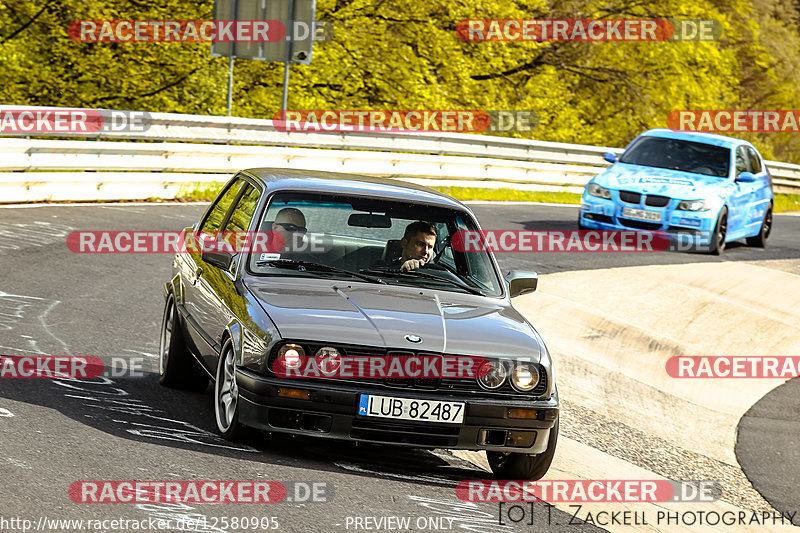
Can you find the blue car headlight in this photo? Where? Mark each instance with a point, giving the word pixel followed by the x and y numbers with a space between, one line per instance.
pixel 693 205
pixel 596 190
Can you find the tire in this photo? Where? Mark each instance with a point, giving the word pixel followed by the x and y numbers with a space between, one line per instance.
pixel 226 395
pixel 760 240
pixel 717 244
pixel 177 368
pixel 524 465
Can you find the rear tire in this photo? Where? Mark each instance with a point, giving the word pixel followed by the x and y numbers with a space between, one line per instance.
pixel 717 244
pixel 524 465
pixel 177 368
pixel 760 240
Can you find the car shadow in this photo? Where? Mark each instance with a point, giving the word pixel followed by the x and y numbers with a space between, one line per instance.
pixel 140 409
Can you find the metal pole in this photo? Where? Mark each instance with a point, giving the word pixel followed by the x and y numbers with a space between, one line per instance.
pixel 288 58
pixel 231 54
pixel 230 80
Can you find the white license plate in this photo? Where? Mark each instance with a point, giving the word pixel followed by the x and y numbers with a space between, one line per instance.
pixel 641 214
pixel 409 409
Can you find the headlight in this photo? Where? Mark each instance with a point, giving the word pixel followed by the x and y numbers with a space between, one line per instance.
pixel 596 190
pixel 492 374
pixel 693 205
pixel 328 360
pixel 292 355
pixel 525 376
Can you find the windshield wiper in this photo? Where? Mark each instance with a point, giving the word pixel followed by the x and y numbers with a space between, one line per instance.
pixel 303 266
pixel 418 274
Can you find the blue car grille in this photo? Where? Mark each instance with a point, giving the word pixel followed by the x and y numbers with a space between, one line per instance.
pixel 639 224
pixel 630 197
pixel 656 201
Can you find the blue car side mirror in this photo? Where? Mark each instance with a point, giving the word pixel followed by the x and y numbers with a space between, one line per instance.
pixel 746 177
pixel 610 157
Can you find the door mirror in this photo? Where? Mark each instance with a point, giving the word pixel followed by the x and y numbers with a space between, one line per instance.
pixel 222 260
pixel 746 177
pixel 610 157
pixel 521 282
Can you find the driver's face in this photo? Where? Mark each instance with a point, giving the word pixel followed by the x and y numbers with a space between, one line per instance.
pixel 291 227
pixel 419 246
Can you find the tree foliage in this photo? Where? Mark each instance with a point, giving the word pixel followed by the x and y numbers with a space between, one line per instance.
pixel 405 54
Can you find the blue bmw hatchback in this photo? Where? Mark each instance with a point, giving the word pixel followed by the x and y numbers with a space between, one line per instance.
pixel 703 190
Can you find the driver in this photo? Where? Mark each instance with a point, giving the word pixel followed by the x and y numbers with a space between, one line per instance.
pixel 290 223
pixel 417 245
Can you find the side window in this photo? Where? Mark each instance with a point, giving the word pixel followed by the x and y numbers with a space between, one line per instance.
pixel 216 216
pixel 241 216
pixel 742 165
pixel 755 161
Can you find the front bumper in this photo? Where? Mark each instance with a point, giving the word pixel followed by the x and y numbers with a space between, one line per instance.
pixel 689 227
pixel 331 412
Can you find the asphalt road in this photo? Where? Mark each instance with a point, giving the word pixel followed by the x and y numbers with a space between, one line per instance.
pixel 54 433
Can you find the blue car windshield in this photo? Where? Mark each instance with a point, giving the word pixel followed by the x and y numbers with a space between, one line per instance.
pixel 676 154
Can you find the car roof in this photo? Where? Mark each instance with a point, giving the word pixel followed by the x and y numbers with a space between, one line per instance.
pixel 695 136
pixel 279 179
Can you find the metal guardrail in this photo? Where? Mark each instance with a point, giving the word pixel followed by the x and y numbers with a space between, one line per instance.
pixel 197 148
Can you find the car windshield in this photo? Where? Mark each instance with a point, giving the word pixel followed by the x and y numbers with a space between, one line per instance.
pixel 362 239
pixel 676 154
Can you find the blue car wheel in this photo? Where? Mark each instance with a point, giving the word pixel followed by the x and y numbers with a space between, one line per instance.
pixel 760 240
pixel 717 244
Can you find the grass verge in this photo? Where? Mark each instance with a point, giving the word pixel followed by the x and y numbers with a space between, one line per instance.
pixel 200 192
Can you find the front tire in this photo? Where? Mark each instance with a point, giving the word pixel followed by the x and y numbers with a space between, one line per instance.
pixel 524 465
pixel 720 233
pixel 176 366
pixel 760 240
pixel 226 395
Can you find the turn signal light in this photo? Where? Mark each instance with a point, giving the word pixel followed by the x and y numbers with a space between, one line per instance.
pixel 520 412
pixel 300 394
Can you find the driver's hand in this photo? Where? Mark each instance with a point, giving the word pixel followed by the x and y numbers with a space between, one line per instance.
pixel 412 264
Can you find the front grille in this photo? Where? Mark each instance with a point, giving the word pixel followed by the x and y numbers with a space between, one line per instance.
pixel 421 383
pixel 656 201
pixel 639 224
pixel 448 385
pixel 630 197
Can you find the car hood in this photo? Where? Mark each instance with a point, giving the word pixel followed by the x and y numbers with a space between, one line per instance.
pixel 660 181
pixel 383 315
